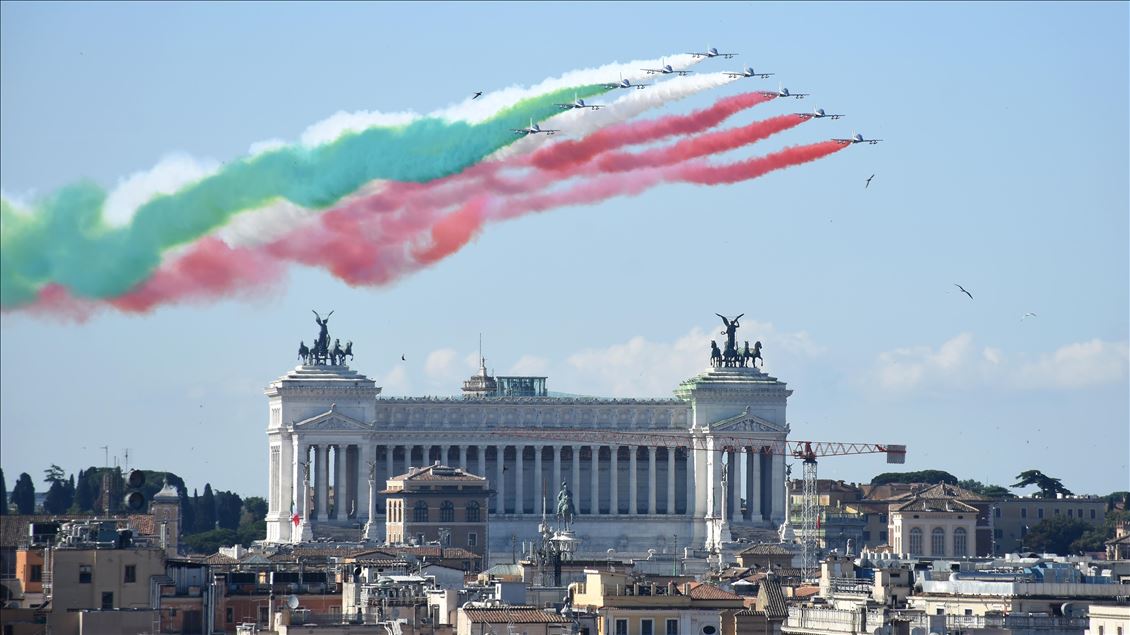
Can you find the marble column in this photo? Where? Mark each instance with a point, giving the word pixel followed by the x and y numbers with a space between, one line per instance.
pixel 594 491
pixel 481 450
pixel 735 485
pixel 500 485
pixel 556 469
pixel 443 450
pixel 613 480
pixel 300 481
pixel 670 509
pixel 341 487
pixel 321 480
pixel 691 484
pixel 519 489
pixel 651 480
pixel 575 486
pixel 539 482
pixel 633 481
pixel 463 457
pixel 752 484
pixel 407 459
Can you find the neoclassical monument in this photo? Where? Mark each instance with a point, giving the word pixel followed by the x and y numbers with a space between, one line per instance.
pixel 645 473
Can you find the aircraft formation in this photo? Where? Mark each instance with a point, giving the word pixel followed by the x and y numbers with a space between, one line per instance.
pixel 667 69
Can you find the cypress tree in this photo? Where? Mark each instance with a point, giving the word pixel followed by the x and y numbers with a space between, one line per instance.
pixel 23 494
pixel 3 494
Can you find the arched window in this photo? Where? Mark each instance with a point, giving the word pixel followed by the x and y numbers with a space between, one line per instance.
pixel 447 512
pixel 473 512
pixel 420 513
pixel 916 541
pixel 938 542
pixel 959 542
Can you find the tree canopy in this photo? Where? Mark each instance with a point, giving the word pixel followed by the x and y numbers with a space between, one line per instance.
pixel 933 477
pixel 23 494
pixel 1049 487
pixel 1056 535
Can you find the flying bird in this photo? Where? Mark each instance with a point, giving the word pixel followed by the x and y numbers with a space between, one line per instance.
pixel 1027 315
pixel 477 95
pixel 963 290
pixel 868 181
pixel 402 358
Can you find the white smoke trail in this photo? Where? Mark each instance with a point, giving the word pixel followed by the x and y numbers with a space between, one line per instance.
pixel 578 123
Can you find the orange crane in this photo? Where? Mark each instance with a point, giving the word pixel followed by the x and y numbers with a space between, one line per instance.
pixel 806 451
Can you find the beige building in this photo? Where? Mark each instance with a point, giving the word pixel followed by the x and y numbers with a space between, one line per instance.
pixel 632 605
pixel 1106 619
pixel 932 524
pixel 1014 517
pixel 106 579
pixel 440 504
pixel 511 620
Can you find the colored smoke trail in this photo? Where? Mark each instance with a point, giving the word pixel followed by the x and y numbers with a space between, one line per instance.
pixel 66 241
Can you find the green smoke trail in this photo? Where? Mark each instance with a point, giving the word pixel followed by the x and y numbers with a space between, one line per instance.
pixel 66 240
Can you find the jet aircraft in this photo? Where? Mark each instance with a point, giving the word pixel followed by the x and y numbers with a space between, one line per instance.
pixel 534 129
pixel 665 70
pixel 784 92
pixel 858 138
pixel 713 52
pixel 626 83
pixel 579 103
pixel 817 113
pixel 749 72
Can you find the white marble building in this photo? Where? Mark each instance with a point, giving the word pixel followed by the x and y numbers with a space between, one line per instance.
pixel 629 496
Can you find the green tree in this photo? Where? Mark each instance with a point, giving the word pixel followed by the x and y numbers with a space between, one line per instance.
pixel 209 542
pixel 254 509
pixel 23 494
pixel 1055 535
pixel 206 510
pixel 996 491
pixel 54 474
pixel 84 494
pixel 1049 487
pixel 228 508
pixel 3 495
pixel 931 477
pixel 56 500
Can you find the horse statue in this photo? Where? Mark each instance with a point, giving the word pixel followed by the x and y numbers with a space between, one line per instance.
pixel 715 354
pixel 348 350
pixel 303 352
pixel 746 354
pixel 337 355
pixel 756 355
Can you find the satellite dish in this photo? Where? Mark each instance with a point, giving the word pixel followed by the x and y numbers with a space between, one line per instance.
pixel 292 602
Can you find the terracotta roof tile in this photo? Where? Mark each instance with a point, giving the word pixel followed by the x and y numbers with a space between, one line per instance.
pixel 515 615
pixel 710 592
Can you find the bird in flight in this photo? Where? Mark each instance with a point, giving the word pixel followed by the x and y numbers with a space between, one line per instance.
pixel 868 181
pixel 963 290
pixel 1027 315
pixel 477 95
pixel 402 358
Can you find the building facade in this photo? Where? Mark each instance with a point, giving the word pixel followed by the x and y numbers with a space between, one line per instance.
pixel 693 466
pixel 440 504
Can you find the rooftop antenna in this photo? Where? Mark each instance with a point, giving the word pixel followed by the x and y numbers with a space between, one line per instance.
pixel 105 455
pixel 127 458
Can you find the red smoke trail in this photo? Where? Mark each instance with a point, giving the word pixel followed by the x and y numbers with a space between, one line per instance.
pixel 209 269
pixel 452 232
pixel 567 154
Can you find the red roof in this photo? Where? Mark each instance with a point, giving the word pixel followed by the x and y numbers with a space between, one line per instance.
pixel 515 615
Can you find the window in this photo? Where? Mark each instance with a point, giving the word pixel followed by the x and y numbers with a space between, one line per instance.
pixel 647 627
pixel 882 518
pixel 1023 512
pixel 709 630
pixel 1069 513
pixel 36 573
pixel 672 627
pixel 997 512
pixel 84 574
pixel 916 541
pixel 420 513
pixel 263 615
pixel 472 539
pixel 1080 512
pixel 940 611
pixel 230 616
pixel 621 627
pixel 1092 514
pixel 959 542
pixel 1040 512
pixel 130 574
pixel 1057 511
pixel 473 511
pixel 883 536
pixel 938 542
pixel 968 612
pixel 107 600
pixel 447 512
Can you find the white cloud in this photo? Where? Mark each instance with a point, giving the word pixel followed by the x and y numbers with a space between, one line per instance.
pixel 395 383
pixel 1079 365
pixel 957 362
pixel 439 363
pixel 171 173
pixel 259 147
pixel 530 365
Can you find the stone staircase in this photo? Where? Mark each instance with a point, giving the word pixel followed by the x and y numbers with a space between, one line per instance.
pixel 753 535
pixel 337 533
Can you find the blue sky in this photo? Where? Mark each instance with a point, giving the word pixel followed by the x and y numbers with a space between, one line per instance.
pixel 1004 168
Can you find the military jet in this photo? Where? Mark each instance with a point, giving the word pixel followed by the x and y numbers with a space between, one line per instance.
pixel 749 72
pixel 713 52
pixel 626 83
pixel 858 138
pixel 817 113
pixel 534 129
pixel 579 103
pixel 784 92
pixel 665 70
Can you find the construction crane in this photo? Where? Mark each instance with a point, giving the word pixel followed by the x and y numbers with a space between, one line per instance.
pixel 806 451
